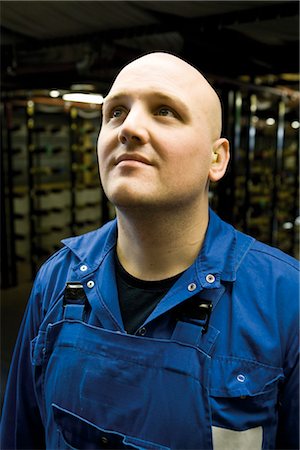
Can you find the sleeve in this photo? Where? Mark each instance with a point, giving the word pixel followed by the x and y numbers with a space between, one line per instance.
pixel 288 414
pixel 21 424
pixel 288 406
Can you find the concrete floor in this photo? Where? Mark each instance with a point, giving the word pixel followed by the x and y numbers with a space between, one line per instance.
pixel 13 302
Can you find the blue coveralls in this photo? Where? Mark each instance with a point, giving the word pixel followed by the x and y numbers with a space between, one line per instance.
pixel 78 381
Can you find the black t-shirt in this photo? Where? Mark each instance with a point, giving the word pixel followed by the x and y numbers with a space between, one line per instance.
pixel 138 298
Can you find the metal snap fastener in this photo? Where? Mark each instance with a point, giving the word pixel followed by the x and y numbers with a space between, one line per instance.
pixel 210 278
pixel 142 331
pixel 241 378
pixel 83 268
pixel 192 287
pixel 90 284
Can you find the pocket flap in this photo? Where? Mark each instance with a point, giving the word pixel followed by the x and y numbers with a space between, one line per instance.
pixel 80 433
pixel 234 377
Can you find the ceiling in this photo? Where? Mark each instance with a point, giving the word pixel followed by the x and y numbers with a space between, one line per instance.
pixel 54 44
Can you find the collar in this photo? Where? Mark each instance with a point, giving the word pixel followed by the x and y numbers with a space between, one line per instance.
pixel 91 248
pixel 221 254
pixel 218 253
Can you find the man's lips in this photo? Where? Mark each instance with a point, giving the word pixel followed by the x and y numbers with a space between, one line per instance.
pixel 132 157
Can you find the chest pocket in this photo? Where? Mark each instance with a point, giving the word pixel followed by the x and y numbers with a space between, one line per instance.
pixel 74 432
pixel 244 398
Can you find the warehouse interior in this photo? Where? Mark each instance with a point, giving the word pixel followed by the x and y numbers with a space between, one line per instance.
pixel 249 51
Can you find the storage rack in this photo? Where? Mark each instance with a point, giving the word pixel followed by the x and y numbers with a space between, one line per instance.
pixel 260 193
pixel 50 183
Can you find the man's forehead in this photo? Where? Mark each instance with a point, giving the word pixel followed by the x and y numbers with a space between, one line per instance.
pixel 120 92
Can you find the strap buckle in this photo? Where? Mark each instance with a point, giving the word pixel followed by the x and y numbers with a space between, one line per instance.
pixel 75 302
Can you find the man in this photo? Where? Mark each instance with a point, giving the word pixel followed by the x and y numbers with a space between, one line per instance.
pixel 167 328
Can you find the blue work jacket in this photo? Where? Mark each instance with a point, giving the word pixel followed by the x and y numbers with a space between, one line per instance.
pixel 225 380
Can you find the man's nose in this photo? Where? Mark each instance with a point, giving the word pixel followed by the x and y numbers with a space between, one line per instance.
pixel 134 129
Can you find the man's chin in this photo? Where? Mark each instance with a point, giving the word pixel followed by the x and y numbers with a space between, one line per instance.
pixel 135 201
pixel 130 202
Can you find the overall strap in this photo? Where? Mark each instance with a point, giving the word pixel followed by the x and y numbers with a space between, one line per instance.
pixel 193 318
pixel 75 302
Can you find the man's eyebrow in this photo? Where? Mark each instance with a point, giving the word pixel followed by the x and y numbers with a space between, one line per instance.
pixel 162 96
pixel 114 97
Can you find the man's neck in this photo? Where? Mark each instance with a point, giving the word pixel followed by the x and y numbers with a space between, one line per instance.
pixel 157 246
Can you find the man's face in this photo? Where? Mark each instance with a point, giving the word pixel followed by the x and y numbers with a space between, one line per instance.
pixel 156 141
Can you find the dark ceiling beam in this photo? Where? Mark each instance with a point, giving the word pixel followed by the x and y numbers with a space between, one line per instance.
pixel 243 55
pixel 170 23
pixel 245 16
pixel 201 35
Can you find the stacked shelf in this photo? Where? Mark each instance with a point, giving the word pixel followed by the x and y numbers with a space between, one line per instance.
pixel 261 190
pixel 52 188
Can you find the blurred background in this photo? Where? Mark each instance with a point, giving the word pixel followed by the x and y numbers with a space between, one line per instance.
pixel 58 59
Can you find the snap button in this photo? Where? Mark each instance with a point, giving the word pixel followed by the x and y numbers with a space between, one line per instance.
pixel 90 284
pixel 210 278
pixel 83 268
pixel 241 378
pixel 192 287
pixel 142 331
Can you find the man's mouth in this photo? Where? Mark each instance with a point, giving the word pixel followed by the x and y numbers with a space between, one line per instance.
pixel 132 157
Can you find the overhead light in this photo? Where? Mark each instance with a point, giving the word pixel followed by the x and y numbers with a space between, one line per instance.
pixel 270 121
pixel 287 226
pixel 290 76
pixel 295 124
pixel 83 98
pixel 54 93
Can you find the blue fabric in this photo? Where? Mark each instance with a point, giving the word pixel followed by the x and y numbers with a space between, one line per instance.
pixel 75 384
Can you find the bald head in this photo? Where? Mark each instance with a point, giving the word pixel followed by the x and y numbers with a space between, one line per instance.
pixel 179 76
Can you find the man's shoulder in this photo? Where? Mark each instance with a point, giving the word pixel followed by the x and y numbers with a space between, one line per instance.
pixel 268 266
pixel 86 249
pixel 274 256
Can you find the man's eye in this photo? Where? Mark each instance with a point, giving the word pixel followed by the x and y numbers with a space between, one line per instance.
pixel 116 112
pixel 166 112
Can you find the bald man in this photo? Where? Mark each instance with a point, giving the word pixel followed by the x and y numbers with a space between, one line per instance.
pixel 166 328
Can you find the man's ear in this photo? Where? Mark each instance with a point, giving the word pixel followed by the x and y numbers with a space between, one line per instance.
pixel 219 160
